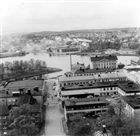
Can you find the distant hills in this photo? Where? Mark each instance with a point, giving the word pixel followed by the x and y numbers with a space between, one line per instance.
pixel 46 33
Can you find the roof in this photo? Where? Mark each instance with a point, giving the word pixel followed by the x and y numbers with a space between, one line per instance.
pixel 24 83
pixel 4 110
pixel 94 70
pixel 133 101
pixel 84 101
pixel 93 77
pixel 24 99
pixel 108 57
pixel 129 87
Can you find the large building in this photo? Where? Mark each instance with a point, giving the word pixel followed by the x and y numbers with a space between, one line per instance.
pixel 91 79
pixel 92 90
pixel 91 106
pixel 108 61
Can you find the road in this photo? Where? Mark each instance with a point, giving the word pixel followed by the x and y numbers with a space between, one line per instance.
pixel 53 126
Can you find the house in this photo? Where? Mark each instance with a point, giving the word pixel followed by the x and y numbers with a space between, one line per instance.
pixel 90 106
pixel 4 119
pixel 106 61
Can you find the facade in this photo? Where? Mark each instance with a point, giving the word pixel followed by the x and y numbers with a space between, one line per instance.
pixel 4 119
pixel 87 91
pixel 86 105
pixel 109 61
pixel 132 106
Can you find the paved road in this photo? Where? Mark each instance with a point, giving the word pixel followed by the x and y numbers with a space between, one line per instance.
pixel 54 125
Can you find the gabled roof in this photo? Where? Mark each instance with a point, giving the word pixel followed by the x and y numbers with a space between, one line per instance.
pixel 4 110
pixel 108 57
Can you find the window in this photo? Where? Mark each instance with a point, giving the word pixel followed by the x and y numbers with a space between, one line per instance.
pixel 111 88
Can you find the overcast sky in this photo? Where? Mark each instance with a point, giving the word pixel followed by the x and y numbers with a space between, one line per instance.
pixel 19 17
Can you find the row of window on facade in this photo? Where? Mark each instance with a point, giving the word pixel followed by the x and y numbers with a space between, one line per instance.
pixel 78 96
pixel 85 107
pixel 93 81
pixel 90 74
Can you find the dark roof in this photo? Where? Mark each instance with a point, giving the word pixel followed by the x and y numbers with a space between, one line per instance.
pixel 24 99
pixel 4 110
pixel 108 57
pixel 85 101
pixel 133 101
pixel 94 70
pixel 129 87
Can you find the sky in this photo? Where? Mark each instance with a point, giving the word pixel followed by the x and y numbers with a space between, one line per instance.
pixel 33 16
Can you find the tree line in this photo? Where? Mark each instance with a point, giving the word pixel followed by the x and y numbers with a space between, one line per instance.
pixel 20 67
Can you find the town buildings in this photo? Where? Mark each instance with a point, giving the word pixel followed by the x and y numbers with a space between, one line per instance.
pixel 18 93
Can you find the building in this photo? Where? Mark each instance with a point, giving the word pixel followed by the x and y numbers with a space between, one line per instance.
pixel 4 119
pixel 108 61
pixel 36 110
pixel 89 90
pixel 128 88
pixel 131 106
pixel 135 61
pixel 90 79
pixel 92 106
pixel 89 72
pixel 37 88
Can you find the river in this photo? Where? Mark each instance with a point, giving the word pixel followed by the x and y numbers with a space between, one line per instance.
pixel 62 62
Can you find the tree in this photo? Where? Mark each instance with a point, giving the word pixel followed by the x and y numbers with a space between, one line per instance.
pixel 78 125
pixel 22 123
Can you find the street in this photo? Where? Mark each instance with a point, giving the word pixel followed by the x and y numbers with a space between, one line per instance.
pixel 53 125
